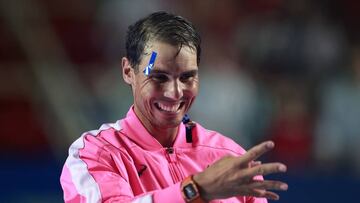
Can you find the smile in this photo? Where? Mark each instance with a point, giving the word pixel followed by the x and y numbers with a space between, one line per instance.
pixel 170 108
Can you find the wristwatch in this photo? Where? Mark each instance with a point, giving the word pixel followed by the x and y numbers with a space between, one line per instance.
pixel 190 191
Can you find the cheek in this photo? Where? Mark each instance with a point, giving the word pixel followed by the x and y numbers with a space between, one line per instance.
pixel 149 90
pixel 194 88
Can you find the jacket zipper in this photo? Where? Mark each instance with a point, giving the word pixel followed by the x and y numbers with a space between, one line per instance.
pixel 173 166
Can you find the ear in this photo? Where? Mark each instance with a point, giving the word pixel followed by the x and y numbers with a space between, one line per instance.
pixel 127 71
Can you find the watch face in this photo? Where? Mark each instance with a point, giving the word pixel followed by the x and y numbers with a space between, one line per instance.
pixel 190 191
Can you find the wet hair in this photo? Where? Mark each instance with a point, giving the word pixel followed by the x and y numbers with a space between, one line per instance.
pixel 164 27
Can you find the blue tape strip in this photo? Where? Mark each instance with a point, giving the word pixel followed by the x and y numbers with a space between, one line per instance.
pixel 151 63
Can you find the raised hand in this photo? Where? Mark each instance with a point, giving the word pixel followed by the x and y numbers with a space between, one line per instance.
pixel 236 176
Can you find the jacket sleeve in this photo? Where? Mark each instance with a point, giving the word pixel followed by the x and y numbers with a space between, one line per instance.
pixel 90 176
pixel 256 200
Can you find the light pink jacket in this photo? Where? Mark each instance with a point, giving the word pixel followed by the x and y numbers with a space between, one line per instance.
pixel 122 162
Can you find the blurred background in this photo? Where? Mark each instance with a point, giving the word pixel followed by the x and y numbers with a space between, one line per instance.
pixel 286 70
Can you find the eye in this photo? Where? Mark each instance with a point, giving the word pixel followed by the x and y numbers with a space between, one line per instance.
pixel 159 77
pixel 187 77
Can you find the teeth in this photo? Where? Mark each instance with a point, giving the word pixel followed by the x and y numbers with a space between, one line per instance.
pixel 172 108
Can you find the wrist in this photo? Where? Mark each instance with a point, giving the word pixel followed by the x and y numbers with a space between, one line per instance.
pixel 201 184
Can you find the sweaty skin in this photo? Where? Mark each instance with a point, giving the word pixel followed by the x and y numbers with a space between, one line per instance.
pixel 162 98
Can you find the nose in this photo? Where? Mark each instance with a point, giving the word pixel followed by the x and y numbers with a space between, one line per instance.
pixel 174 90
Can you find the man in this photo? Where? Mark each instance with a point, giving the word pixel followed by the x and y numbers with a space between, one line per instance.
pixel 151 155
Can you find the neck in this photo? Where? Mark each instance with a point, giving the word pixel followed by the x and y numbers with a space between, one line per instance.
pixel 165 137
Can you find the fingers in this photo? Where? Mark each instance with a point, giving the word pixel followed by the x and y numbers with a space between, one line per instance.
pixel 262 170
pixel 254 163
pixel 260 188
pixel 265 194
pixel 256 152
pixel 268 168
pixel 268 185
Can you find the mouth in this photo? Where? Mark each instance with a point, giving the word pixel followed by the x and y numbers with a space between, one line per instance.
pixel 169 108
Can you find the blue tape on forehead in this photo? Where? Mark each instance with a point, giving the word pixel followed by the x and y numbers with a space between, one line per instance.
pixel 151 63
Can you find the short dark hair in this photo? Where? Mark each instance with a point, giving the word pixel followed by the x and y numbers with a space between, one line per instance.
pixel 162 26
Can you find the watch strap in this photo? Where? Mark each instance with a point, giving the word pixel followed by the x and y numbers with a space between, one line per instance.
pixel 190 191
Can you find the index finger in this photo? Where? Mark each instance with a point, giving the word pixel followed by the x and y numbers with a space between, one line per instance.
pixel 255 152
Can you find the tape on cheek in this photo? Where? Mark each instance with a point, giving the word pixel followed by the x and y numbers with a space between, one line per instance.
pixel 149 67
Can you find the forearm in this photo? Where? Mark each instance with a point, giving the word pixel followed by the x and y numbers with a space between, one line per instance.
pixel 169 194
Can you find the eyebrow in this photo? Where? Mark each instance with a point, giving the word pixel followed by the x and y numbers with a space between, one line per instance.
pixel 155 71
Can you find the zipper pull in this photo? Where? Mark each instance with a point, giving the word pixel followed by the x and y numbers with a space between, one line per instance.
pixel 170 150
pixel 170 154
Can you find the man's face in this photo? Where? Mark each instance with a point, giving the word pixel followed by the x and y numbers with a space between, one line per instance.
pixel 162 98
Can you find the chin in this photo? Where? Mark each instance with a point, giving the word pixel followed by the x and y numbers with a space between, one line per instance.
pixel 173 123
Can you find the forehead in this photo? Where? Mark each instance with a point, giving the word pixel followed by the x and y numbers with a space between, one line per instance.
pixel 169 56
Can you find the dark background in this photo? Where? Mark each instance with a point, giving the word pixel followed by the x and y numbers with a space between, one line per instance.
pixel 282 70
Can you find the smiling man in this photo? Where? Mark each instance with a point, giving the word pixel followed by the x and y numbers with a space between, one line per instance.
pixel 154 154
pixel 162 98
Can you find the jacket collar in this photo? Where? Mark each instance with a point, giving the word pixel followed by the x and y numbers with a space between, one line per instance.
pixel 135 130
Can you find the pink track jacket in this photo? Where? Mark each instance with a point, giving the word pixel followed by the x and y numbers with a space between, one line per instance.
pixel 122 162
